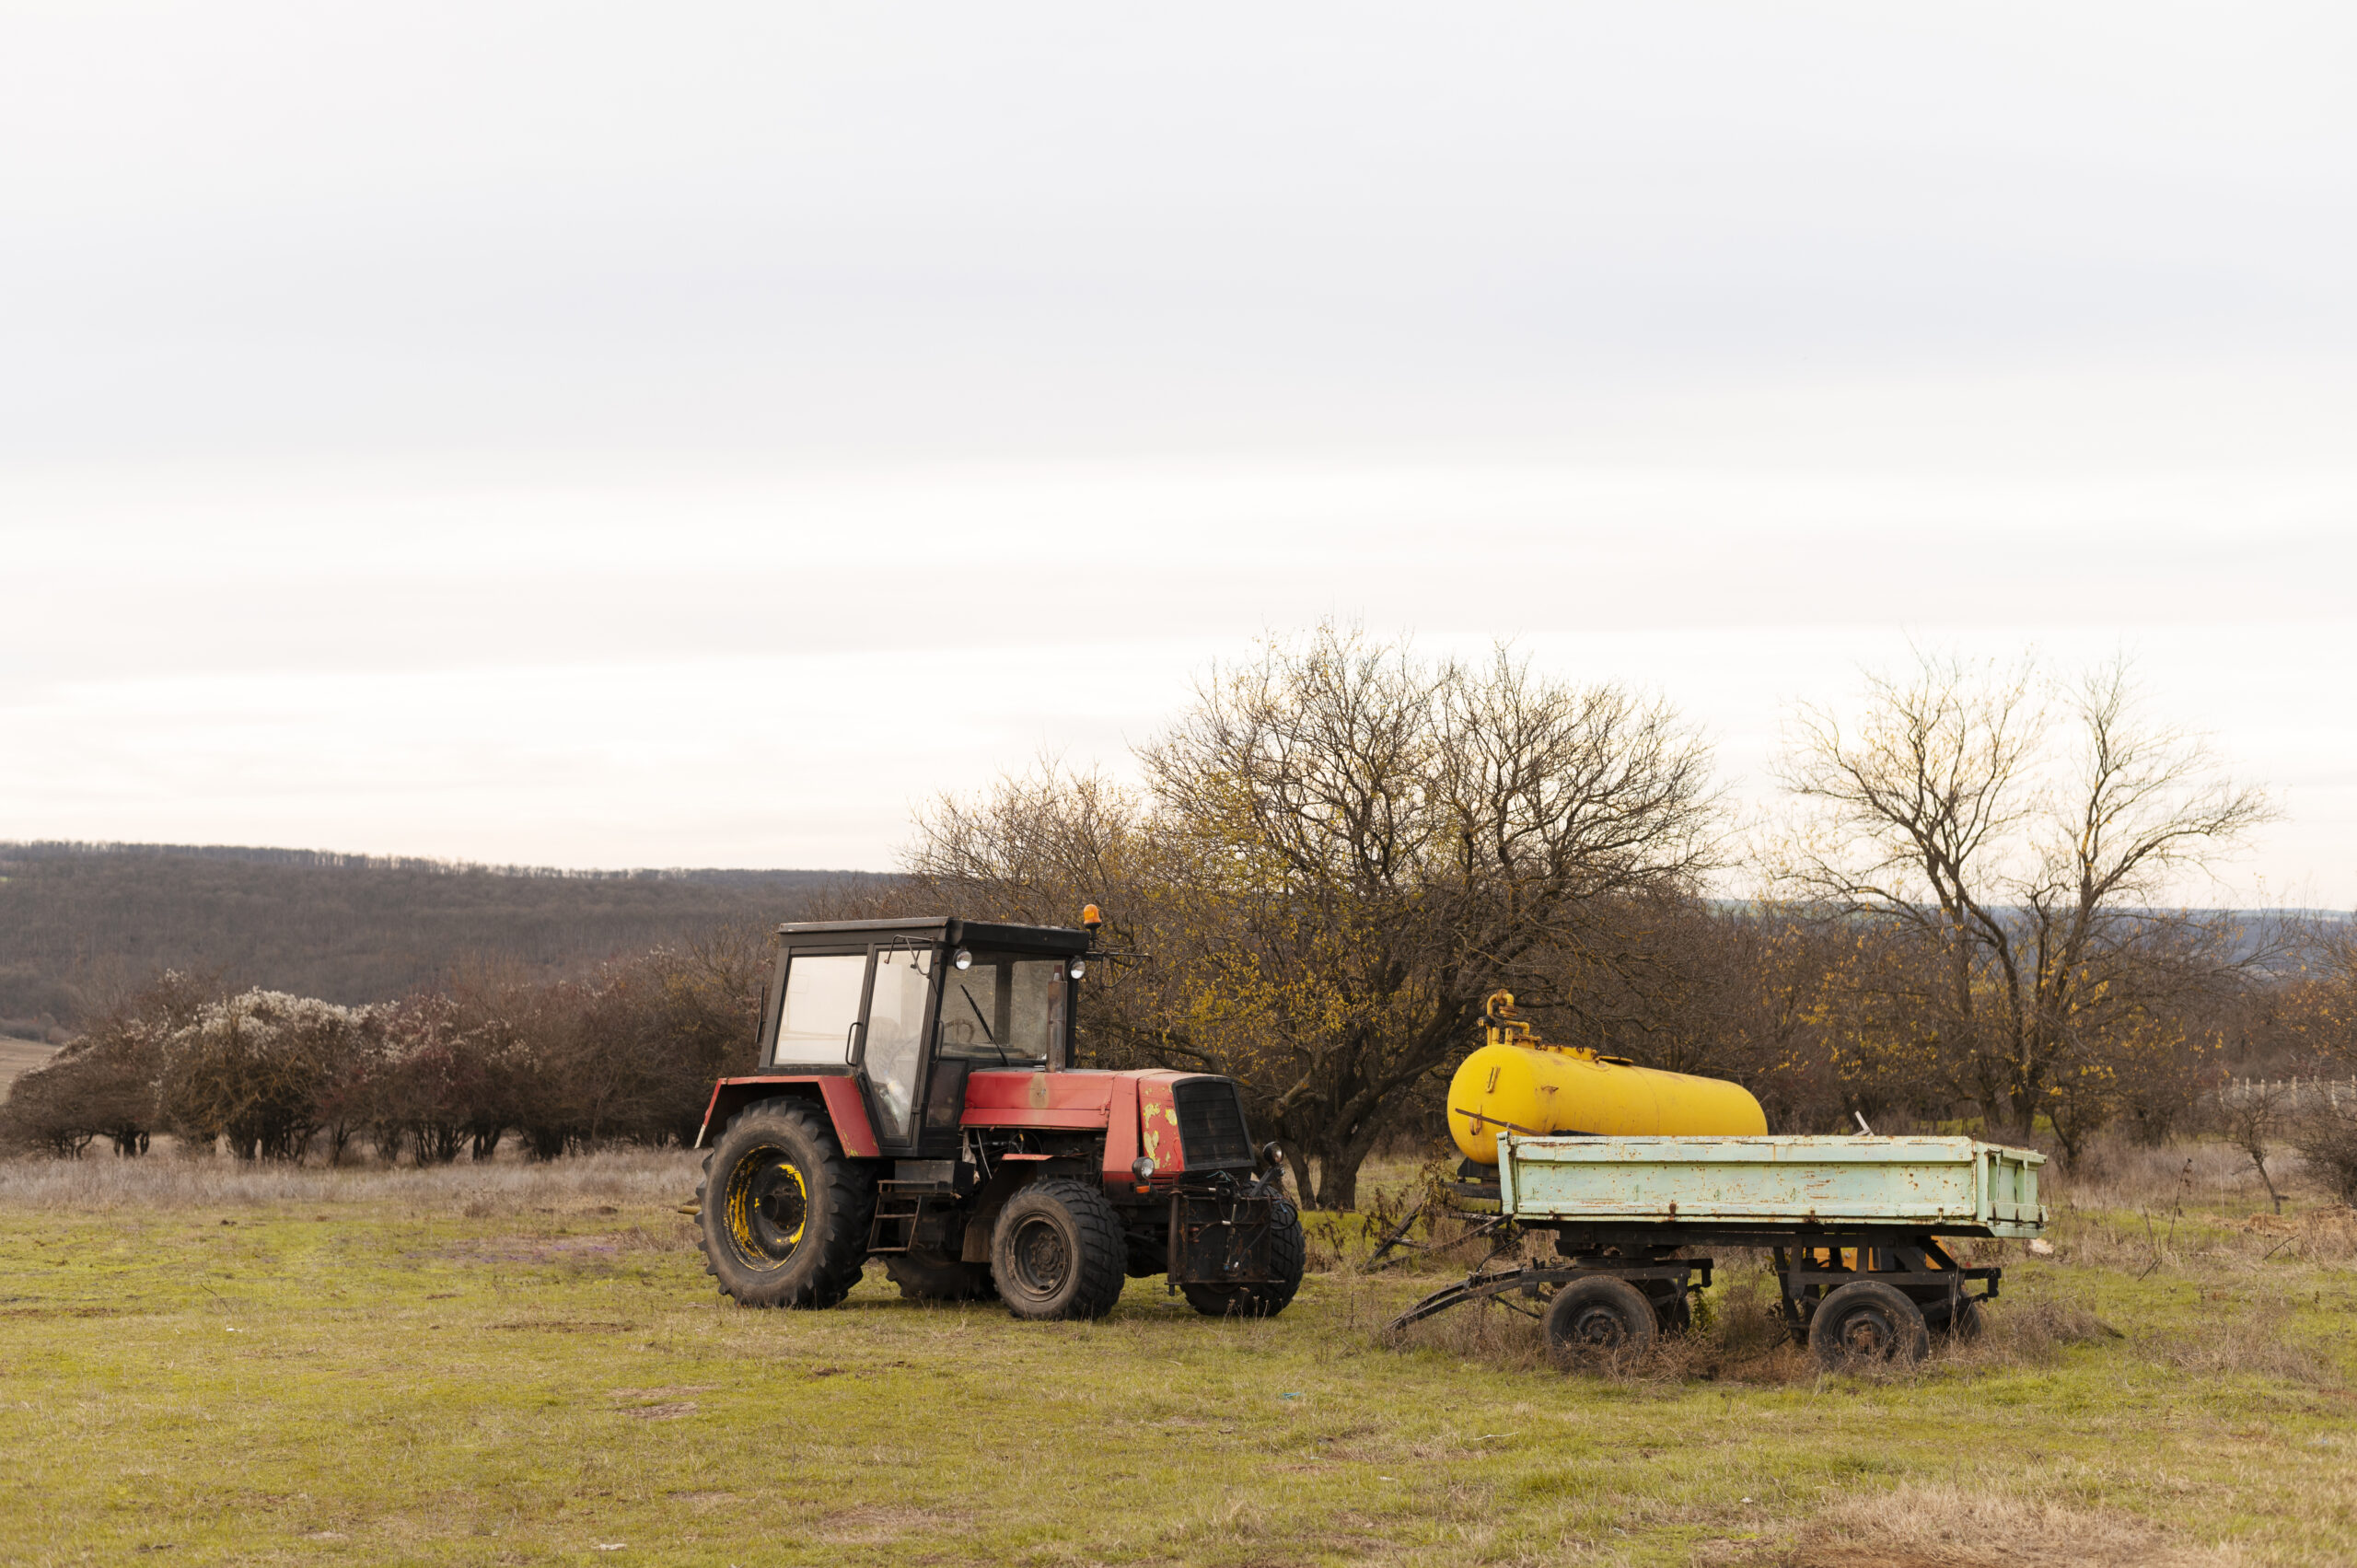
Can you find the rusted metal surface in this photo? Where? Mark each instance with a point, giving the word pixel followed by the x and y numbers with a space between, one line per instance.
pixel 1951 1186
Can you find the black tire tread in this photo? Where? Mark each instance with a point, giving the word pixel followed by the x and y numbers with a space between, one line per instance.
pixel 851 1195
pixel 1962 1325
pixel 1103 1251
pixel 1914 1334
pixel 1638 1312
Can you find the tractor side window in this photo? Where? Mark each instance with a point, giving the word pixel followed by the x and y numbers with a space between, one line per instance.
pixel 896 1029
pixel 1005 1010
pixel 814 1027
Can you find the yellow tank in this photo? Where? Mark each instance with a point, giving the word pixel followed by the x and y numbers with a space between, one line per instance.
pixel 1515 1084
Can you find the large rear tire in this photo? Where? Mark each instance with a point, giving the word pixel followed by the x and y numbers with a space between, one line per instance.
pixel 1058 1253
pixel 1288 1248
pixel 1867 1320
pixel 783 1213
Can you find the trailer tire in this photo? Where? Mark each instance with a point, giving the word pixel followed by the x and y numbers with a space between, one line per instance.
pixel 1867 1320
pixel 782 1215
pixel 1961 1324
pixel 1288 1253
pixel 1057 1251
pixel 1598 1319
pixel 928 1276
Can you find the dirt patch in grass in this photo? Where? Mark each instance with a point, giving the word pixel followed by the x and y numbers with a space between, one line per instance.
pixel 879 1525
pixel 577 1251
pixel 560 1326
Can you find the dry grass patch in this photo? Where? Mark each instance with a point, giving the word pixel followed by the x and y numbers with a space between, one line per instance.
pixel 2245 1339
pixel 1919 1526
pixel 599 1184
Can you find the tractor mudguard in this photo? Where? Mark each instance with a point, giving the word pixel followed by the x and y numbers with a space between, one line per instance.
pixel 836 1094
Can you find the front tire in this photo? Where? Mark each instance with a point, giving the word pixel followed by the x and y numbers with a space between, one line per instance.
pixel 783 1213
pixel 1288 1248
pixel 1058 1253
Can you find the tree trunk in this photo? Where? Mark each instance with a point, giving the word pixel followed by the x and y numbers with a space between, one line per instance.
pixel 1338 1171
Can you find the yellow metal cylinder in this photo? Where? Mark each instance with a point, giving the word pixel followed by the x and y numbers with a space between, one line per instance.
pixel 1512 1088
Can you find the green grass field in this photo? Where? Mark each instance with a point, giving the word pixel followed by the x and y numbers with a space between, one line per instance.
pixel 528 1367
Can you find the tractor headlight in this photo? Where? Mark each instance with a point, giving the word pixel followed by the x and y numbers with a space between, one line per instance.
pixel 962 960
pixel 1079 966
pixel 1143 1168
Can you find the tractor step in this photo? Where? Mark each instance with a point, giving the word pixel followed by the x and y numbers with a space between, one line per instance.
pixel 902 1207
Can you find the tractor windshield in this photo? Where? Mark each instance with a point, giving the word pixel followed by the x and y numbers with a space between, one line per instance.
pixel 1007 1009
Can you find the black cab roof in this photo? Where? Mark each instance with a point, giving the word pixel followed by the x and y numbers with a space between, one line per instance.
pixel 948 929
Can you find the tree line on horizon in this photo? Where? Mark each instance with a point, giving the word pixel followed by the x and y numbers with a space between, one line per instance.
pixel 1342 847
pixel 624 1052
pixel 83 926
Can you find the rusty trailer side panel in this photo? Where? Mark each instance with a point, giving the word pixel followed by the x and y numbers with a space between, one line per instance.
pixel 1948 1184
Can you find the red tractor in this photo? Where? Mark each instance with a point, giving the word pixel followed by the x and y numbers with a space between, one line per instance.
pixel 915 1106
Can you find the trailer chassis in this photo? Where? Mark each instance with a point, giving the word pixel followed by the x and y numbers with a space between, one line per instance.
pixel 1810 1263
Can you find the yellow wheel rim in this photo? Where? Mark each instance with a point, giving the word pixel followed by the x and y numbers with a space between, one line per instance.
pixel 768 1207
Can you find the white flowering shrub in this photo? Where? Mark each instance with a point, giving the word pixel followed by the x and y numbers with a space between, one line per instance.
pixel 254 1069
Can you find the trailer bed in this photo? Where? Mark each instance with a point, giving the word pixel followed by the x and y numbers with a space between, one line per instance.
pixel 1947 1186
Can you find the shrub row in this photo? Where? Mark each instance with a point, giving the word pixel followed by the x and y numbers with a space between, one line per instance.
pixel 627 1054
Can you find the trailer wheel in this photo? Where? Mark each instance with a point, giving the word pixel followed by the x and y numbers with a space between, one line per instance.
pixel 1962 1324
pixel 928 1276
pixel 1288 1251
pixel 1867 1320
pixel 1598 1317
pixel 783 1214
pixel 1058 1253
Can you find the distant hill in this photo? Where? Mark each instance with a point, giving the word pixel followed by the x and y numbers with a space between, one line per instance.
pixel 81 922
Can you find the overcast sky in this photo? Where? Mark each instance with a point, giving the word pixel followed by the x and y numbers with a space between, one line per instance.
pixel 605 436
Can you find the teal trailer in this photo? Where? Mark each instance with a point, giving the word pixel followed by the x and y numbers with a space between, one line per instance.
pixel 1947 1186
pixel 1854 1225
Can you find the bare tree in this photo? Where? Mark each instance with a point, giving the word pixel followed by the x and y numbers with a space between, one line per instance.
pixel 1344 848
pixel 2030 872
pixel 2254 1115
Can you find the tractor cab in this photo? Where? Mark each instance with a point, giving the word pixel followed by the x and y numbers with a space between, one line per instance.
pixel 906 1010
